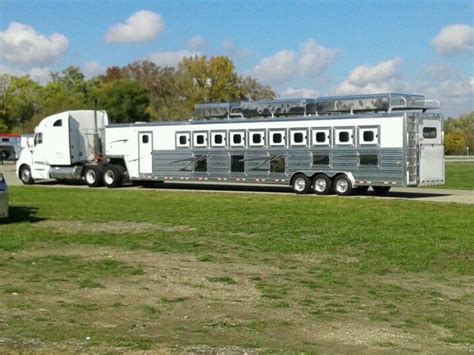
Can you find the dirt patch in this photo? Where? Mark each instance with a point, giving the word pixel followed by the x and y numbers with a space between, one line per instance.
pixel 110 227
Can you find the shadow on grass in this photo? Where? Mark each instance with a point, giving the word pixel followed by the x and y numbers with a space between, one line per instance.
pixel 21 214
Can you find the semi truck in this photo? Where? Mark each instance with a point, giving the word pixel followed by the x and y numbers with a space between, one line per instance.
pixel 325 145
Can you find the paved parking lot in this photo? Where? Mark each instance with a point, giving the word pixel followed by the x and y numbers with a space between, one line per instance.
pixel 413 194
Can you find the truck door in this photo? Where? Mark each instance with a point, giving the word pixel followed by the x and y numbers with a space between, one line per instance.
pixel 145 148
pixel 40 167
pixel 431 150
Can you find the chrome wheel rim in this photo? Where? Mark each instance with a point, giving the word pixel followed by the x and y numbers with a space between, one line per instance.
pixel 90 176
pixel 300 184
pixel 25 175
pixel 109 177
pixel 320 185
pixel 342 185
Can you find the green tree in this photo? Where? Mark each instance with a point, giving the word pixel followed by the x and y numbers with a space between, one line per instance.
pixel 454 143
pixel 22 100
pixel 124 100
pixel 252 90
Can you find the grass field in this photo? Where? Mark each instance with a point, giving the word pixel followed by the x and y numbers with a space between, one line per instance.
pixel 116 270
pixel 459 176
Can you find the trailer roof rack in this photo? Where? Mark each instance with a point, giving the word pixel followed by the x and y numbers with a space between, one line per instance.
pixel 322 106
pixel 387 102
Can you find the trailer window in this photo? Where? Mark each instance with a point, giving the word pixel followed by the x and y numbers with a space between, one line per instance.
pixel 257 139
pixel 344 136
pixel 5 140
pixel 369 159
pixel 277 138
pixel 429 132
pixel 298 137
pixel 200 164
pixel 237 164
pixel 58 123
pixel 200 139
pixel 218 139
pixel 145 139
pixel 277 164
pixel 182 140
pixel 368 135
pixel 321 159
pixel 321 137
pixel 237 139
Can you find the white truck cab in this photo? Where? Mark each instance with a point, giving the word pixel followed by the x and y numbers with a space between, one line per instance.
pixel 62 145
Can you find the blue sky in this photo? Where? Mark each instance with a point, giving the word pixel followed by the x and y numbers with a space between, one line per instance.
pixel 300 48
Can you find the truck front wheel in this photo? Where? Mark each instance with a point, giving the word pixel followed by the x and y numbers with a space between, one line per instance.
pixel 93 176
pixel 25 175
pixel 113 176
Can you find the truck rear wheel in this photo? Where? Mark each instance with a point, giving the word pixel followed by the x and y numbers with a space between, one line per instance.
pixel 93 175
pixel 113 176
pixel 25 175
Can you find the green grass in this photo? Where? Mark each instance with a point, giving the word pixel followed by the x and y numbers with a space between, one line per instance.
pixel 298 261
pixel 459 176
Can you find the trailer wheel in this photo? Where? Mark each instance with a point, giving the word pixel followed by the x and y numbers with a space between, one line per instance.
pixel 322 184
pixel 301 184
pixel 381 190
pixel 25 175
pixel 343 185
pixel 93 176
pixel 113 176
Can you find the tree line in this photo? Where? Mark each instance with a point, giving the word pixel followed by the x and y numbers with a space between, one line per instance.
pixel 141 91
pixel 459 134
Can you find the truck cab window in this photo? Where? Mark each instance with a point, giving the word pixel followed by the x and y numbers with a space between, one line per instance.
pixel 38 139
pixel 58 123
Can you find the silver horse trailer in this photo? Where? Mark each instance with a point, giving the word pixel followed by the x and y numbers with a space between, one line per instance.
pixel 330 144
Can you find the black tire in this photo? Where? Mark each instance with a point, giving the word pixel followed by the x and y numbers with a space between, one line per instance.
pixel 381 190
pixel 25 175
pixel 113 176
pixel 360 190
pixel 342 185
pixel 93 176
pixel 322 184
pixel 301 184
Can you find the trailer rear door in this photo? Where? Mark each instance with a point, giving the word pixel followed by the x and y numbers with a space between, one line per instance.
pixel 431 151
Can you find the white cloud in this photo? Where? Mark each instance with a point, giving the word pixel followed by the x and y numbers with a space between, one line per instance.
pixel 309 62
pixel 434 71
pixel 455 39
pixel 92 68
pixel 195 42
pixel 22 46
pixel 365 74
pixel 40 75
pixel 171 59
pixel 229 49
pixel 366 79
pixel 277 68
pixel 299 93
pixel 142 26
pixel 457 89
